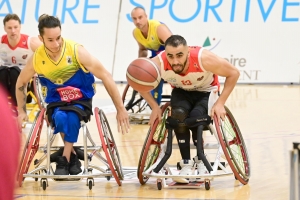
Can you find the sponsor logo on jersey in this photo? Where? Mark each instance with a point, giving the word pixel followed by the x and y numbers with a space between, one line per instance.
pixel 24 56
pixel 69 93
pixel 200 78
pixel 24 42
pixel 172 79
pixel 69 60
pixel 43 62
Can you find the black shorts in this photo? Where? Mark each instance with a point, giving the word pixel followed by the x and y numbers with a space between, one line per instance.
pixel 190 100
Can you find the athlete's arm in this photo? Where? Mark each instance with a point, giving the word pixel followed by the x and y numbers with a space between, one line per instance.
pixel 97 69
pixel 35 42
pixel 143 52
pixel 21 89
pixel 163 33
pixel 221 67
pixel 156 111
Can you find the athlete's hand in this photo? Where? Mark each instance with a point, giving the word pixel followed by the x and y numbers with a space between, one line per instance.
pixel 22 117
pixel 123 121
pixel 218 110
pixel 155 114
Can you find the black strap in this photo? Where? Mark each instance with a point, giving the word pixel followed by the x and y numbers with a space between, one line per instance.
pixel 84 115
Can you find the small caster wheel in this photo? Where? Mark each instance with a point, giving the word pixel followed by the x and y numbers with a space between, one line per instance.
pixel 108 178
pixel 207 185
pixel 159 184
pixel 90 184
pixel 44 184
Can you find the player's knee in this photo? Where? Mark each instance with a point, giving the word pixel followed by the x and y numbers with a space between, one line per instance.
pixel 176 121
pixel 179 113
pixel 60 117
pixel 197 118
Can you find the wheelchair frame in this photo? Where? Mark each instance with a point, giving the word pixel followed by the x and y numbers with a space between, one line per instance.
pixel 230 147
pixel 110 159
pixel 38 104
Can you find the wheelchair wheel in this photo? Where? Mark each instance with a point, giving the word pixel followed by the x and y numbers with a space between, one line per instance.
pixel 31 146
pixel 234 147
pixel 152 145
pixel 134 103
pixel 109 146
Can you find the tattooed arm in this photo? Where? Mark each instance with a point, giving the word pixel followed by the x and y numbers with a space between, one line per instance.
pixel 21 90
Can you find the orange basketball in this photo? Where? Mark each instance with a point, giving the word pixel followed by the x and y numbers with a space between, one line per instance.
pixel 143 75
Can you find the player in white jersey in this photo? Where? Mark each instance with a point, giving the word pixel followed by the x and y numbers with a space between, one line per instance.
pixel 193 74
pixel 15 49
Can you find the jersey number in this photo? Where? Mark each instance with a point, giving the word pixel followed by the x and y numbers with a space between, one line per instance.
pixel 188 82
pixel 13 60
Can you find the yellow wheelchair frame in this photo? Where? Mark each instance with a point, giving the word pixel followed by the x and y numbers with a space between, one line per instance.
pixel 35 105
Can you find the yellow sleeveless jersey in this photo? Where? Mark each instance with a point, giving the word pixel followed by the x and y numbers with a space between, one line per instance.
pixel 64 76
pixel 152 41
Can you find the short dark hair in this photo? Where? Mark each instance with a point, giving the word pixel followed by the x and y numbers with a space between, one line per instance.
pixel 175 41
pixel 11 16
pixel 47 21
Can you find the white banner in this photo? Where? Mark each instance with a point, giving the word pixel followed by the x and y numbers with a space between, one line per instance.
pixel 92 23
pixel 260 38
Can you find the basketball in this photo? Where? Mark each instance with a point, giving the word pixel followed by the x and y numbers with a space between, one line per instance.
pixel 143 75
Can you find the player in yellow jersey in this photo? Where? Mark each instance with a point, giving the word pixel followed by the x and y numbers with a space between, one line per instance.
pixel 66 69
pixel 150 36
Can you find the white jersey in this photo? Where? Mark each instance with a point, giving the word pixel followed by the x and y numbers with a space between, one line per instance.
pixel 196 77
pixel 15 56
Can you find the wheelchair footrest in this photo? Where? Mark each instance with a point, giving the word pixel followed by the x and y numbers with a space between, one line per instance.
pixel 194 183
pixel 139 118
pixel 67 179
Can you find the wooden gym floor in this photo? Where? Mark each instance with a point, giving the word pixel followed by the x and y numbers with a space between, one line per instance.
pixel 268 116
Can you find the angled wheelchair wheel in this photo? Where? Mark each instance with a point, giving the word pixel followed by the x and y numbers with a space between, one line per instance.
pixel 132 100
pixel 234 147
pixel 109 146
pixel 31 146
pixel 152 145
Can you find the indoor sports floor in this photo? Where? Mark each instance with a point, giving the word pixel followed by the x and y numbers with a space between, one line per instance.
pixel 268 116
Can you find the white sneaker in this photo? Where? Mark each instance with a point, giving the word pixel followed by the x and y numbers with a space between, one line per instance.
pixel 186 169
pixel 202 169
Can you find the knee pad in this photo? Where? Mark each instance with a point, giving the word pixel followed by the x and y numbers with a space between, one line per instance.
pixel 176 121
pixel 179 113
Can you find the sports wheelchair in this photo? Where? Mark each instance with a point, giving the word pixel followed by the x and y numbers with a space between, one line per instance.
pixel 135 105
pixel 106 152
pixel 230 150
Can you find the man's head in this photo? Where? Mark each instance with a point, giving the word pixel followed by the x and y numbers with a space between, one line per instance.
pixel 139 17
pixel 12 26
pixel 50 32
pixel 177 53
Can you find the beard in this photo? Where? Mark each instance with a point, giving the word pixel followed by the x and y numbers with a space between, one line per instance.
pixel 180 67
